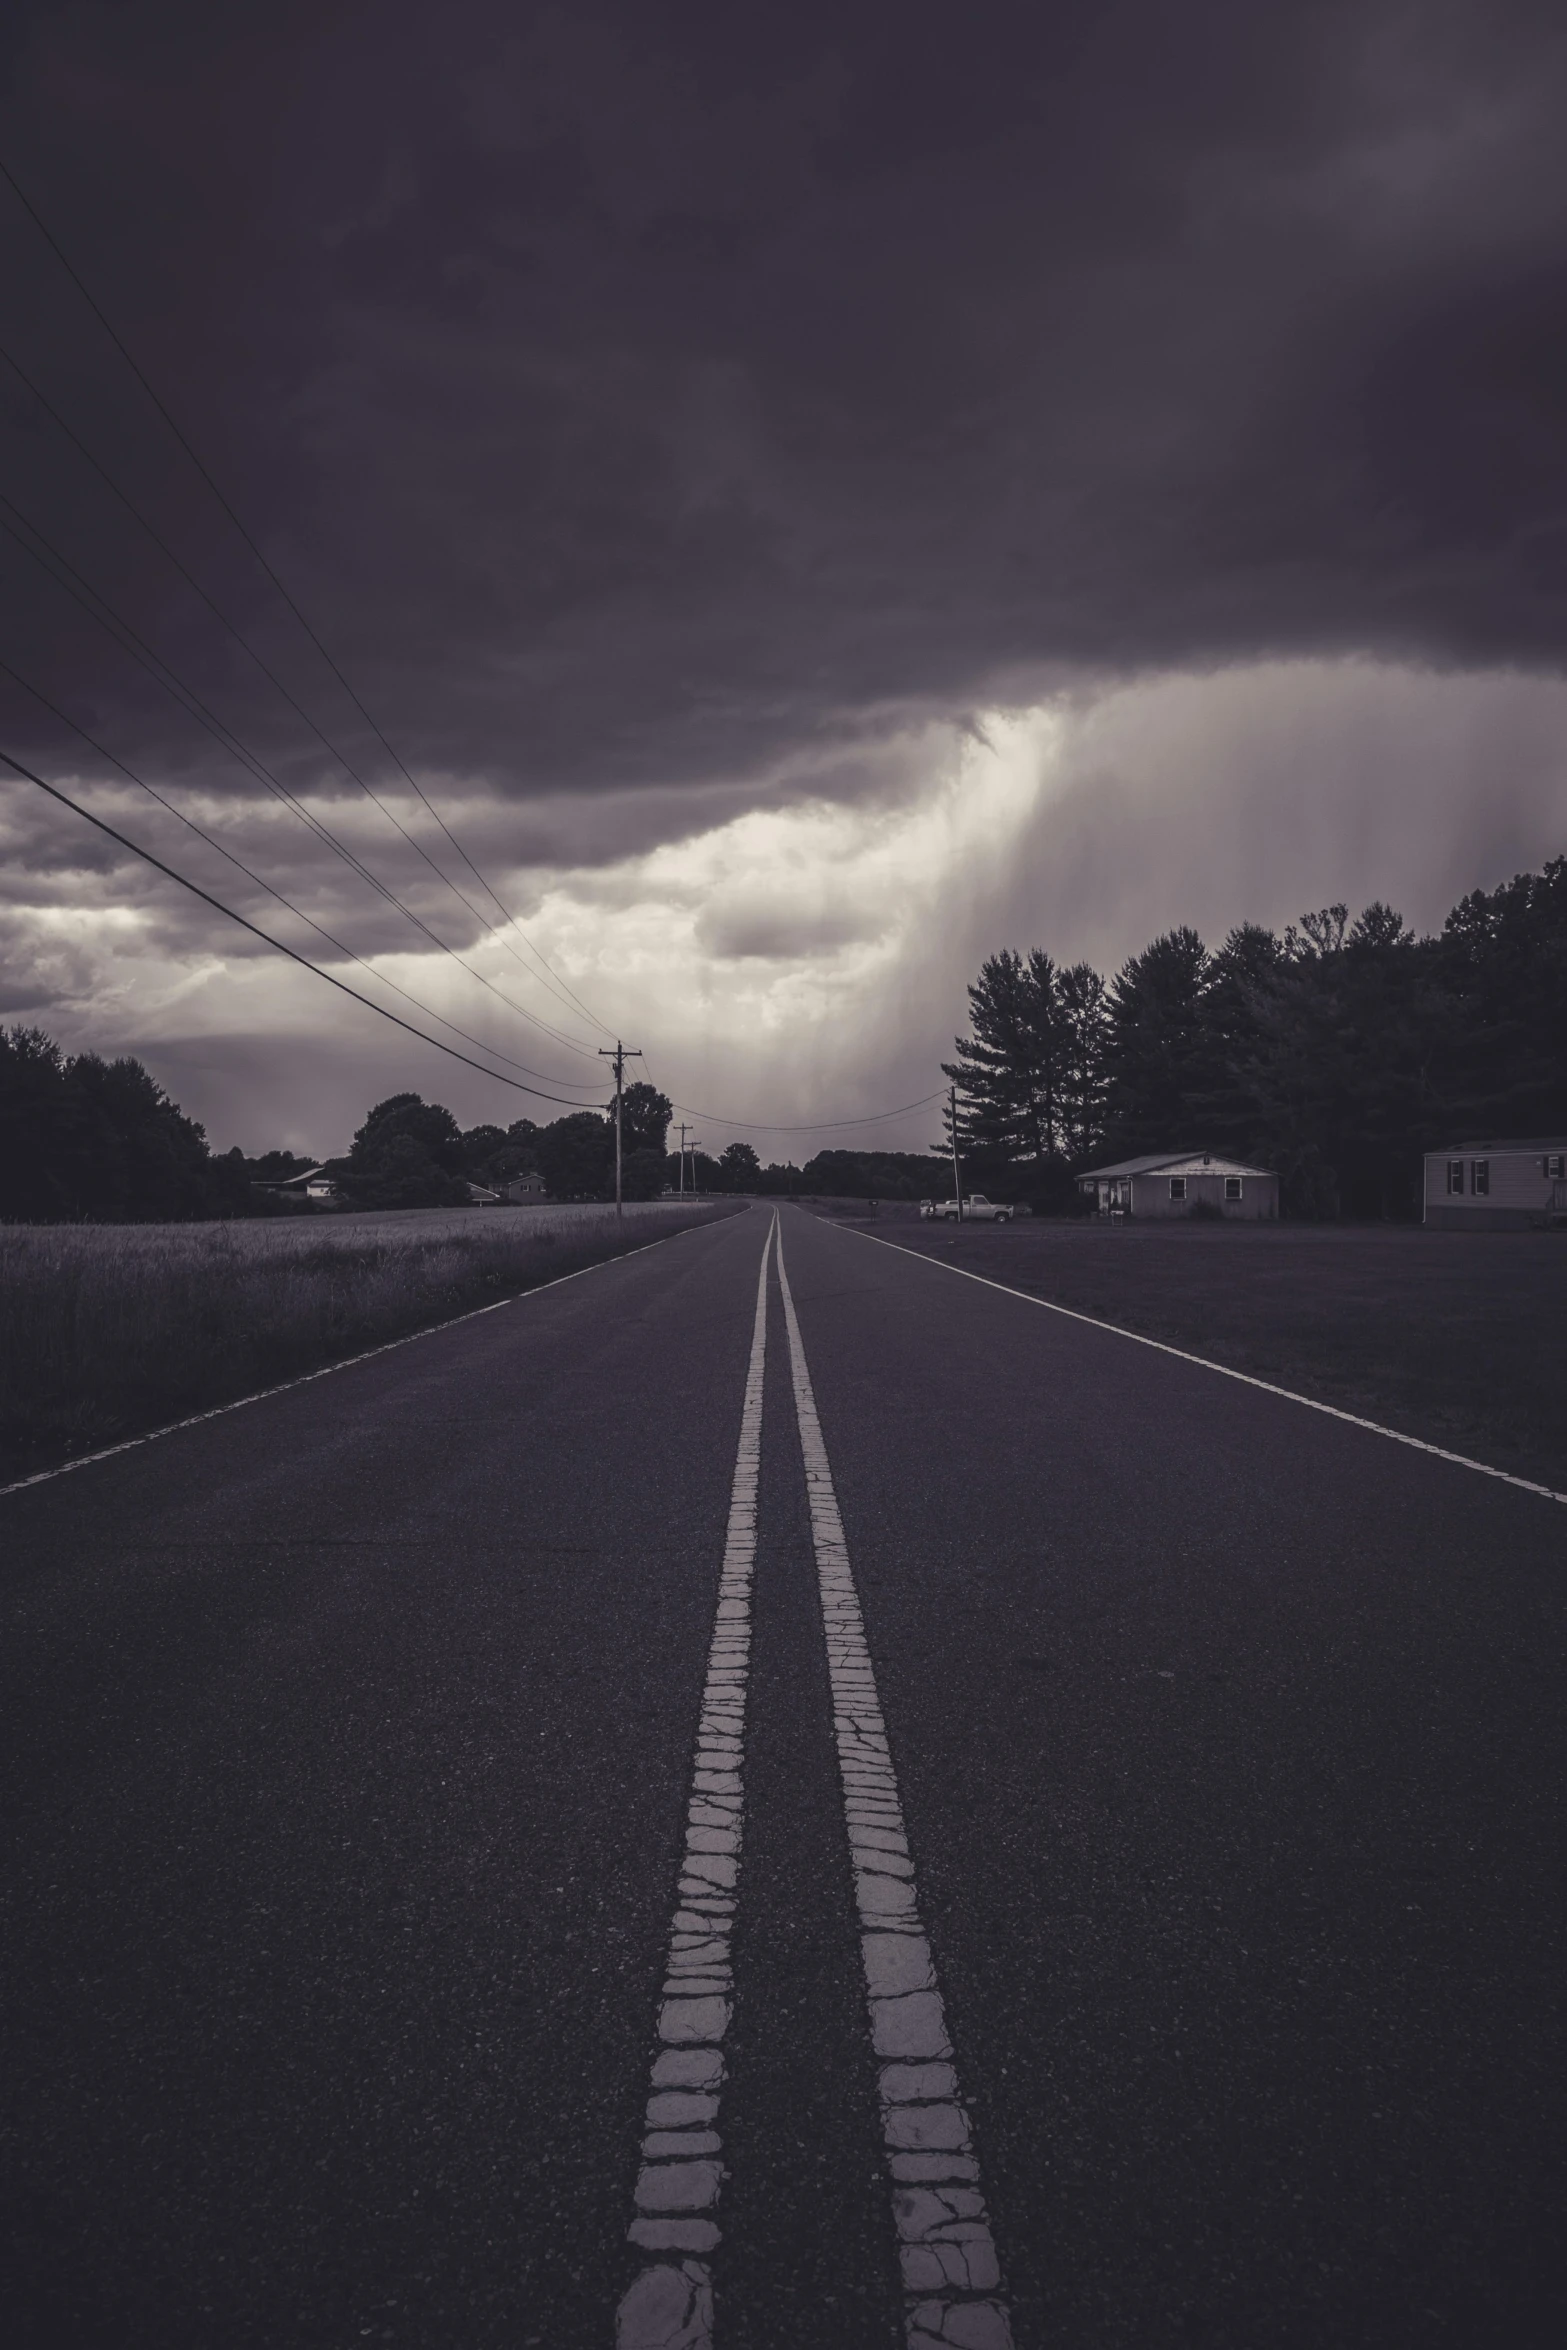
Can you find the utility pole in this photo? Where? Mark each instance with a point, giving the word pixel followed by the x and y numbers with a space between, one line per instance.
pixel 957 1180
pixel 621 1054
pixel 684 1130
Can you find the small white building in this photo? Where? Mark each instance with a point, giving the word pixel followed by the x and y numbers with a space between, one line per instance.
pixel 1497 1186
pixel 1170 1183
pixel 314 1185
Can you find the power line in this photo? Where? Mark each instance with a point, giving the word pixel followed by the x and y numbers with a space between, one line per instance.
pixel 267 672
pixel 277 944
pixel 71 272
pixel 280 946
pixel 169 679
pixel 562 990
pixel 186 698
pixel 260 881
pixel 171 683
pixel 822 1126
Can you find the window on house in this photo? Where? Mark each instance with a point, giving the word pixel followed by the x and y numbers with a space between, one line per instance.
pixel 1556 1166
pixel 1232 1187
pixel 1455 1174
pixel 1177 1187
pixel 1480 1180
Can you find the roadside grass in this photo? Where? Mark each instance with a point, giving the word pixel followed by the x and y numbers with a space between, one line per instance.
pixel 1460 1338
pixel 107 1330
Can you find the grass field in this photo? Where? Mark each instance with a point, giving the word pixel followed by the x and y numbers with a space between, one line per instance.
pixel 1457 1337
pixel 108 1329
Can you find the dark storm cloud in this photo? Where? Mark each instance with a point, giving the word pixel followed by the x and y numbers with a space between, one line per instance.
pixel 649 398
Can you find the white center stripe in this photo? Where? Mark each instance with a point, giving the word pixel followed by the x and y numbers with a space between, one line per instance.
pixel 950 2271
pixel 670 2305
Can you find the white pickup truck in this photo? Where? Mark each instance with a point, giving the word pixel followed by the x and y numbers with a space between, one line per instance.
pixel 976 1210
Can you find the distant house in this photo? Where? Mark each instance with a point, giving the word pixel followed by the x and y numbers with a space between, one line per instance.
pixel 481 1196
pixel 1170 1183
pixel 315 1184
pixel 523 1187
pixel 1497 1186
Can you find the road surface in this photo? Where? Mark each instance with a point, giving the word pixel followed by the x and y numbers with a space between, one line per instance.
pixel 394 1806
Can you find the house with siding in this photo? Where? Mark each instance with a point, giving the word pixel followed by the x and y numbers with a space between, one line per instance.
pixel 1497 1186
pixel 1172 1183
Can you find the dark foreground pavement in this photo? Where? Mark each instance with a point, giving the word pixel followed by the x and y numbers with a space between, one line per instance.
pixel 347 1747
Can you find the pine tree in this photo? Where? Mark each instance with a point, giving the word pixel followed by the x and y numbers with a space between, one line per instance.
pixel 1009 1073
pixel 1503 960
pixel 1159 1063
pixel 1083 1004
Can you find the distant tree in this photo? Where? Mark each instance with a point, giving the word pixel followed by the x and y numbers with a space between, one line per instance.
pixel 228 1186
pixel 1009 1071
pixel 1240 983
pixel 1083 1021
pixel 1158 1061
pixel 40 1123
pixel 644 1119
pixel 100 1141
pixel 576 1156
pixel 429 1124
pixel 739 1168
pixel 643 1174
pixel 409 1153
pixel 480 1144
pixel 1352 1030
pixel 837 1174
pixel 494 1155
pixel 278 1166
pixel 144 1160
pixel 1502 959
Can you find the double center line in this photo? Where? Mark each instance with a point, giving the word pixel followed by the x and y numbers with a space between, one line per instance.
pixel 951 2276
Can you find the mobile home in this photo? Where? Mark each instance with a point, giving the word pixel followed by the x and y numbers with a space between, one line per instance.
pixel 1497 1186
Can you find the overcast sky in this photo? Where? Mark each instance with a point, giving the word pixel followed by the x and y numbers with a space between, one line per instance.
pixel 811 494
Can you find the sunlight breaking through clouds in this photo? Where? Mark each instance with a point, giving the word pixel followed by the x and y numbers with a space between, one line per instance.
pixel 793 921
pixel 789 962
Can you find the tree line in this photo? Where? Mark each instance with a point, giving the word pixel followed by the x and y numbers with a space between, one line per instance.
pixel 95 1141
pixel 412 1153
pixel 89 1140
pixel 1336 1053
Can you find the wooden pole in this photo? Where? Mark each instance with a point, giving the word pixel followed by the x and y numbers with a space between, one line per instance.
pixel 957 1179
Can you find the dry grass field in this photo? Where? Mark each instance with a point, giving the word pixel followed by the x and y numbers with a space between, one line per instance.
pixel 1460 1338
pixel 107 1329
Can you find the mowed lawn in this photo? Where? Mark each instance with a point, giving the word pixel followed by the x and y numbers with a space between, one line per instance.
pixel 1457 1337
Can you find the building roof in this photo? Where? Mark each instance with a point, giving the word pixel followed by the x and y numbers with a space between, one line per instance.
pixel 1493 1149
pixel 1176 1163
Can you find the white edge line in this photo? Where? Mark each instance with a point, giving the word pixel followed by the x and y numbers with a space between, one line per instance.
pixel 1460 1460
pixel 216 1412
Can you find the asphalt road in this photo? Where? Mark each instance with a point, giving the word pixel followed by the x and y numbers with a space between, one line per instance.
pixel 347 1752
